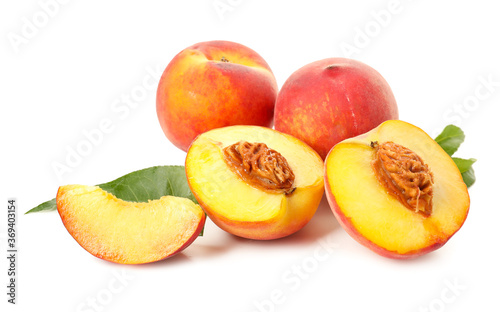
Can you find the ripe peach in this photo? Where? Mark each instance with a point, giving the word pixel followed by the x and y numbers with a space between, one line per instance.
pixel 331 100
pixel 255 182
pixel 396 191
pixel 211 85
pixel 128 232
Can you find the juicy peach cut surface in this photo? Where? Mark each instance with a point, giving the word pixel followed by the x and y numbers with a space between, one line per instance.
pixel 242 208
pixel 128 232
pixel 376 218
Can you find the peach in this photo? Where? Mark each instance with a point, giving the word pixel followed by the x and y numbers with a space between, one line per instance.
pixel 396 191
pixel 211 85
pixel 331 100
pixel 128 232
pixel 255 182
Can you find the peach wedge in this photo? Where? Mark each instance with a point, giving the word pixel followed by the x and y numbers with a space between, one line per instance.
pixel 395 190
pixel 128 232
pixel 255 182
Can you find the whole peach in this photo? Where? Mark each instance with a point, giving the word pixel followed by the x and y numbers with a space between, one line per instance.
pixel 333 99
pixel 211 85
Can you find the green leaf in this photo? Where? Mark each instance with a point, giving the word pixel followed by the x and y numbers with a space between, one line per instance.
pixel 49 205
pixel 141 186
pixel 464 165
pixel 469 177
pixel 150 183
pixel 450 139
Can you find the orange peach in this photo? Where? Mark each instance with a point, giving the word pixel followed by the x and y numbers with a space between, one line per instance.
pixel 128 232
pixel 211 85
pixel 396 191
pixel 331 100
pixel 255 182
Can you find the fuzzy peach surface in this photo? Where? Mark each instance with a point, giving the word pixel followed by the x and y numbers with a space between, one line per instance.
pixel 211 85
pixel 330 100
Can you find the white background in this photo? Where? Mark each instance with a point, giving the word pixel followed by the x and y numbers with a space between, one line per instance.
pixel 64 76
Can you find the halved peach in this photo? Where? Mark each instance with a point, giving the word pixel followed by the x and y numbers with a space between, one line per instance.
pixel 128 232
pixel 395 190
pixel 255 182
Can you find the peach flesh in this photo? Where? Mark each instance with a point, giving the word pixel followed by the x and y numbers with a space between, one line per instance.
pixel 376 218
pixel 127 232
pixel 246 210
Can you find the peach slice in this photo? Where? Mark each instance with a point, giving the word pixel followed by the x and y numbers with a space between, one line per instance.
pixel 395 190
pixel 255 182
pixel 128 232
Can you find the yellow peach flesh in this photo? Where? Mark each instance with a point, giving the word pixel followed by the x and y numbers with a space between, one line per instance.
pixel 379 217
pixel 127 232
pixel 230 200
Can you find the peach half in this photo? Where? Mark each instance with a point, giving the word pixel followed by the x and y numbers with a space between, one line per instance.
pixel 255 182
pixel 128 232
pixel 395 190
